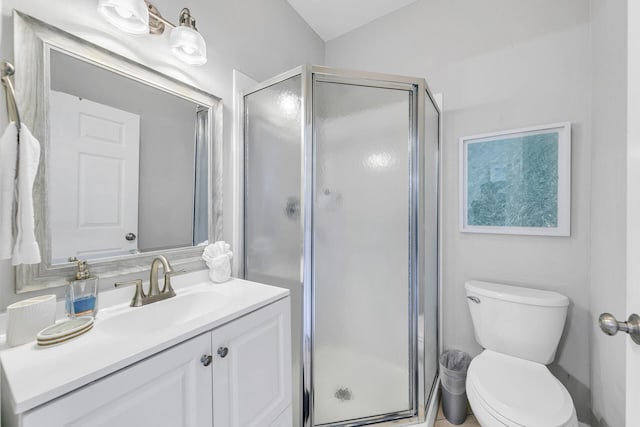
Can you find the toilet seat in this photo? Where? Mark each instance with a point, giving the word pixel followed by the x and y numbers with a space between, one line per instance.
pixel 507 391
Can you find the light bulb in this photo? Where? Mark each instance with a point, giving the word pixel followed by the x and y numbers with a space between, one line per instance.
pixel 188 49
pixel 124 13
pixel 131 16
pixel 188 45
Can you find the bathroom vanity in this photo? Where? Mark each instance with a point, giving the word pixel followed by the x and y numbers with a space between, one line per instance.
pixel 216 354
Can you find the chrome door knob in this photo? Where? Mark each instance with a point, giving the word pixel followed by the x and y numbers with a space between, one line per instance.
pixel 610 326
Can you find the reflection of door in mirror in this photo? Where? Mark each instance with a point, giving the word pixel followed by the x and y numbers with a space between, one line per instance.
pixel 93 178
pixel 170 193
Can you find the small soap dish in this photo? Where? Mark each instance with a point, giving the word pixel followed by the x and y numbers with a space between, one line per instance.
pixel 64 331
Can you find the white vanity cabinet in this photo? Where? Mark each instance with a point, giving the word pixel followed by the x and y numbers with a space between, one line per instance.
pixel 171 388
pixel 246 381
pixel 252 369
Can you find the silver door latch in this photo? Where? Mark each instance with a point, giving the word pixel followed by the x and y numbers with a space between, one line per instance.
pixel 611 326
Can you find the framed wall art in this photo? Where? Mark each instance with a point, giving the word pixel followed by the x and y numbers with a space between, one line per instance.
pixel 517 181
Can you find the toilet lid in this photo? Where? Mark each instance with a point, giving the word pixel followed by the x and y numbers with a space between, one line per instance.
pixel 523 392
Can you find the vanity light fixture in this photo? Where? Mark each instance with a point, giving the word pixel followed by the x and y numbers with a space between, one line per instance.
pixel 130 16
pixel 141 17
pixel 186 42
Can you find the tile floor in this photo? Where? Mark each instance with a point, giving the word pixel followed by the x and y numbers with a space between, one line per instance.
pixel 441 421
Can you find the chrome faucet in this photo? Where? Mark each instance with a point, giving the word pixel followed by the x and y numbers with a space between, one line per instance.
pixel 154 290
pixel 154 294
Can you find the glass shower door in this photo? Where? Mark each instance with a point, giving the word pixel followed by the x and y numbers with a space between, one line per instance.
pixel 273 186
pixel 362 253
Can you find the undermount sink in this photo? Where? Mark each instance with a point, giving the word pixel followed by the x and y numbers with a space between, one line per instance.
pixel 163 314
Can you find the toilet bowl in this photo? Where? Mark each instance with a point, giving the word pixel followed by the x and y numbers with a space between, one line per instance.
pixel 508 391
pixel 508 383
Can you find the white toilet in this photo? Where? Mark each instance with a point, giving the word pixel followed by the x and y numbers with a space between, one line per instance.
pixel 508 383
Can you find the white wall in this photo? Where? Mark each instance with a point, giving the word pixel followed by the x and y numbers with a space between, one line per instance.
pixel 500 64
pixel 258 37
pixel 608 205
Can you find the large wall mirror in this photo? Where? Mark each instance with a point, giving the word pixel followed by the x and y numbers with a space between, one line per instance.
pixel 131 159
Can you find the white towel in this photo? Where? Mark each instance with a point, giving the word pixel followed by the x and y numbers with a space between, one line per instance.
pixel 219 269
pixel 26 249
pixel 8 155
pixel 218 258
pixel 216 249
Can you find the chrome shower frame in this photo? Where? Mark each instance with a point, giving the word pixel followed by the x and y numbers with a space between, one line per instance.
pixel 420 392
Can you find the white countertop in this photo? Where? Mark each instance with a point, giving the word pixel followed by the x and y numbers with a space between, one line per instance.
pixel 36 375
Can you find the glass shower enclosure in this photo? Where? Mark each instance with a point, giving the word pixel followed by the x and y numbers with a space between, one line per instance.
pixel 340 207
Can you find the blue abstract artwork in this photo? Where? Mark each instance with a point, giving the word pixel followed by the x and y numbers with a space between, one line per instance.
pixel 513 181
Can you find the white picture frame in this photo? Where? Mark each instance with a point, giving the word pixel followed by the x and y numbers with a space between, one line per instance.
pixel 517 181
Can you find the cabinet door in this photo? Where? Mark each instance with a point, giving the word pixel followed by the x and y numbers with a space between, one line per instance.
pixel 171 389
pixel 252 368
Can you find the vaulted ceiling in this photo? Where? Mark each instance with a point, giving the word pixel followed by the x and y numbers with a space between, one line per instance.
pixel 333 18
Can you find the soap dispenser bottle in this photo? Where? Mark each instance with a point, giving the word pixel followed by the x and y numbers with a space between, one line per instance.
pixel 82 292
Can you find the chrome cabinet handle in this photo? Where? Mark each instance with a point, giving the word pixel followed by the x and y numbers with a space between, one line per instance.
pixel 474 299
pixel 611 326
pixel 130 237
pixel 206 359
pixel 223 351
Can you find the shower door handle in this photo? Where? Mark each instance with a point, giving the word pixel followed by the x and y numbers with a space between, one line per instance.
pixel 292 208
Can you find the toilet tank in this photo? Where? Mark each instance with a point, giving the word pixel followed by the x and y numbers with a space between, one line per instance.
pixel 521 322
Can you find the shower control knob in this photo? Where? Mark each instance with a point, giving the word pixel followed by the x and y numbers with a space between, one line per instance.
pixel 206 359
pixel 610 326
pixel 223 351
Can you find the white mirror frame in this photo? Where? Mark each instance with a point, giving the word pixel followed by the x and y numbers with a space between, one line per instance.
pixel 33 41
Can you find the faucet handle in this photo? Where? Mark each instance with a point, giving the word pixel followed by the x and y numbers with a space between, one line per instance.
pixel 136 301
pixel 167 281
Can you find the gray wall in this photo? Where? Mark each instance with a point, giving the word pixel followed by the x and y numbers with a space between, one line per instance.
pixel 608 206
pixel 258 37
pixel 167 146
pixel 500 64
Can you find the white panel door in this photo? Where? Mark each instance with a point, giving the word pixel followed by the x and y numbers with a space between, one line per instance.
pixel 252 369
pixel 633 282
pixel 284 420
pixel 633 210
pixel 170 389
pixel 93 178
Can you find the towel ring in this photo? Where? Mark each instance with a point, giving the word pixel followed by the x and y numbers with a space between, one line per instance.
pixel 6 71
